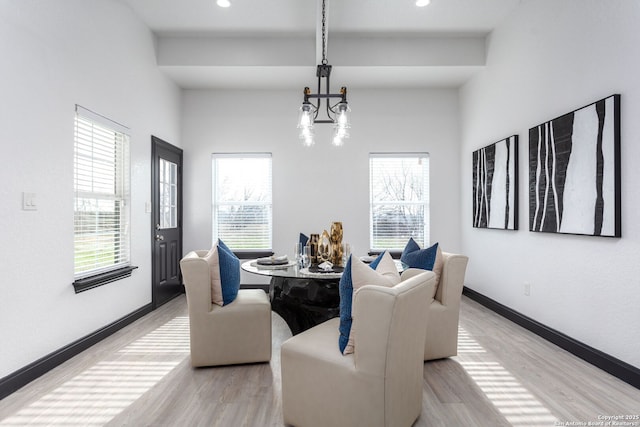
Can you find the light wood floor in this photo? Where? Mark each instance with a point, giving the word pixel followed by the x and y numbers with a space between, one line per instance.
pixel 141 376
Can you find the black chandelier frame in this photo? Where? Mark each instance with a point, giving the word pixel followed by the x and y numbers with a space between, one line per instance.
pixel 324 72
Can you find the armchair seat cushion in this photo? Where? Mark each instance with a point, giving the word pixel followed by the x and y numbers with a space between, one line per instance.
pixel 239 332
pixel 319 344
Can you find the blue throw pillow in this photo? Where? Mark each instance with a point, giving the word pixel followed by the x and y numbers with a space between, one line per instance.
pixel 346 298
pixel 374 264
pixel 221 244
pixel 229 273
pixel 415 257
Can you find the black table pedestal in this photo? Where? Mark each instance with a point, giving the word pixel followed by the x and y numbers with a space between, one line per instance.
pixel 304 302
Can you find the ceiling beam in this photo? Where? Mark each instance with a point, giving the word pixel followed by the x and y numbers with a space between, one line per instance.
pixel 347 50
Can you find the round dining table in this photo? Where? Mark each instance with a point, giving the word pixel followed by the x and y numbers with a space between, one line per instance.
pixel 301 297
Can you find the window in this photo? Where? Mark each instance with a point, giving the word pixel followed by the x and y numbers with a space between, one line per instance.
pixel 242 200
pixel 399 199
pixel 102 199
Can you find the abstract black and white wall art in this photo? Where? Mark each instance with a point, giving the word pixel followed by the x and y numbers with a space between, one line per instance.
pixel 574 172
pixel 495 185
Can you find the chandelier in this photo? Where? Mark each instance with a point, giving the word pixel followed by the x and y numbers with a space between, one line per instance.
pixel 336 113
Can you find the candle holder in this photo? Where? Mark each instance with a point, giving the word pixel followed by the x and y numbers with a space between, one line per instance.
pixel 336 244
pixel 314 240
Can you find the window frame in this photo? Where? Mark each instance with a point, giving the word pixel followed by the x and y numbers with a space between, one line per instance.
pixel 102 273
pixel 425 202
pixel 244 252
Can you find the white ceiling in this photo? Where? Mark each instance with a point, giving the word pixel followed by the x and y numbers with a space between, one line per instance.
pixel 294 19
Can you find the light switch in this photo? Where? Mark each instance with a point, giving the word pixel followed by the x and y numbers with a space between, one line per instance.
pixel 29 202
pixel 147 207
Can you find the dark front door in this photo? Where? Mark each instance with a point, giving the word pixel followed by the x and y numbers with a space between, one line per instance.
pixel 166 201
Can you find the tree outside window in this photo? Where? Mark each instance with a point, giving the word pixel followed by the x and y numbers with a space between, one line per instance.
pixel 399 199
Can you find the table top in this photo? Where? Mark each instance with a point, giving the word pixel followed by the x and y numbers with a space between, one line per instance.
pixel 292 270
pixel 287 270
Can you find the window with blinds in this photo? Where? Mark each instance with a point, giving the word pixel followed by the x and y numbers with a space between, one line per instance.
pixel 102 195
pixel 399 200
pixel 242 207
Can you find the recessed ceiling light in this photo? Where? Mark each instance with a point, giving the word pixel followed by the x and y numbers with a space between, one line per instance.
pixel 422 3
pixel 223 3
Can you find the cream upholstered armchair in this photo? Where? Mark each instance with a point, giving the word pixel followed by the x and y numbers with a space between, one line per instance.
pixel 239 332
pixel 444 310
pixel 380 384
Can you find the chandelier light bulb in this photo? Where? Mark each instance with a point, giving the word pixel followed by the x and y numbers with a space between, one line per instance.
pixel 223 3
pixel 306 135
pixel 308 142
pixel 305 119
pixel 342 119
pixel 339 135
pixel 422 3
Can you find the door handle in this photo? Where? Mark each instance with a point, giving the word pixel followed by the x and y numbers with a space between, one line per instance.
pixel 159 237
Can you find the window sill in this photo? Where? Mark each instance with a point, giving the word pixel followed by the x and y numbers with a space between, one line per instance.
pixel 91 282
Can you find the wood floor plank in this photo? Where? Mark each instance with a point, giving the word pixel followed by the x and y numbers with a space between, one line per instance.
pixel 141 375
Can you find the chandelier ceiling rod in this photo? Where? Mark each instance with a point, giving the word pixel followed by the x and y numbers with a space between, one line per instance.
pixel 321 32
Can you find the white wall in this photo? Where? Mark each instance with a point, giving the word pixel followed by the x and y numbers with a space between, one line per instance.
pixel 548 59
pixel 314 186
pixel 54 55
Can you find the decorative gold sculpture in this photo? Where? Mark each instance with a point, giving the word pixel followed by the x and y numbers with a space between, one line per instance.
pixel 324 248
pixel 336 243
pixel 327 247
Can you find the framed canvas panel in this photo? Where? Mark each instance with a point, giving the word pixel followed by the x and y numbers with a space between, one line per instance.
pixel 574 172
pixel 495 185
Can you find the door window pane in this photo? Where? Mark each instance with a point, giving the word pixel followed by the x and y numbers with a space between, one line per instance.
pixel 168 194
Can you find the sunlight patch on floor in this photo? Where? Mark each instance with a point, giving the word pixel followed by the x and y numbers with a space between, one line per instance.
pixel 508 395
pixel 172 337
pixel 98 394
pixel 466 344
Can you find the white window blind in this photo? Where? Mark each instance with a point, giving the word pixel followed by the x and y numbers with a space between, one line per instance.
pixel 242 206
pixel 102 195
pixel 399 199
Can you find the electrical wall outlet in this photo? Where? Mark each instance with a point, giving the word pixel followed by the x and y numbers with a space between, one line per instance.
pixel 29 202
pixel 527 289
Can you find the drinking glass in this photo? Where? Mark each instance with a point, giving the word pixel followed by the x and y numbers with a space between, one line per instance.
pixel 346 251
pixel 306 257
pixel 297 253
